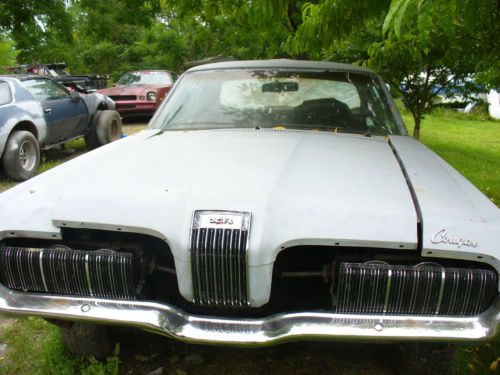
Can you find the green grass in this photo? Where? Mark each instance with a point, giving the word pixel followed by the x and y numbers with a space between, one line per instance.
pixel 52 159
pixel 35 347
pixel 471 144
pixel 49 160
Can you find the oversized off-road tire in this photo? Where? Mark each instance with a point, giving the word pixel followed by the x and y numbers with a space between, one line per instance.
pixel 21 156
pixel 423 358
pixel 106 128
pixel 88 339
pixel 91 138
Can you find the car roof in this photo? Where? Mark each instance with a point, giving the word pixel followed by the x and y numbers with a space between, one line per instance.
pixel 148 71
pixel 21 77
pixel 282 64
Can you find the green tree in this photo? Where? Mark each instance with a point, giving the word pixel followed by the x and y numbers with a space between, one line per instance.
pixel 160 47
pixel 29 22
pixel 106 30
pixel 420 72
pixel 236 28
pixel 424 44
pixel 7 53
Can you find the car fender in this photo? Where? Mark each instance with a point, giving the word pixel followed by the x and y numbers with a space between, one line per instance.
pixel 95 102
pixel 20 113
pixel 98 101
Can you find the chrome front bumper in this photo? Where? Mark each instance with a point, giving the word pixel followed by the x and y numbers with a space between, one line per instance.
pixel 169 321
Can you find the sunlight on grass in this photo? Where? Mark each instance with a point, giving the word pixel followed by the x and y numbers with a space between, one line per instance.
pixel 35 347
pixel 470 145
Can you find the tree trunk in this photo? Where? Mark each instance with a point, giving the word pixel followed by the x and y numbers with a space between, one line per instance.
pixel 417 118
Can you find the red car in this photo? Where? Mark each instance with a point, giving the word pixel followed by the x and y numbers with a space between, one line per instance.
pixel 139 93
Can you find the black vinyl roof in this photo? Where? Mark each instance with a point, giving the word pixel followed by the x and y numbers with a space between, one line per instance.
pixel 282 64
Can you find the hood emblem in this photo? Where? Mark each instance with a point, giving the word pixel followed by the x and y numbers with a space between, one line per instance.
pixel 221 219
pixel 442 236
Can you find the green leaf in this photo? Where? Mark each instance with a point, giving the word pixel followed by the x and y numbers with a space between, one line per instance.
pixel 392 16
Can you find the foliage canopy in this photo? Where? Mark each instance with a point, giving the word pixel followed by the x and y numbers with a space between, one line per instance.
pixel 424 44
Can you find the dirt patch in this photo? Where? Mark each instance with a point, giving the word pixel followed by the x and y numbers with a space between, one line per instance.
pixel 144 353
pixel 4 323
pixel 131 126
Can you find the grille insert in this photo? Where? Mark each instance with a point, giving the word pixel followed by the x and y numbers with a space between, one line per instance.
pixel 60 270
pixel 118 98
pixel 426 289
pixel 219 243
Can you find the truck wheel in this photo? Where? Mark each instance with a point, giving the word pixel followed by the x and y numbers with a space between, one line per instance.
pixel 108 127
pixel 88 339
pixel 21 156
pixel 91 138
pixel 423 359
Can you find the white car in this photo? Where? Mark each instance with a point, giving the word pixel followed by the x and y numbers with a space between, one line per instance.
pixel 268 201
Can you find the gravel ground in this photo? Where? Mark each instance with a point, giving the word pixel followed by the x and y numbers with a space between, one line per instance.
pixel 143 353
pixel 131 126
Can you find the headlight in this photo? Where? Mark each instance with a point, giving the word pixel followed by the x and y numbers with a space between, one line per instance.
pixel 151 96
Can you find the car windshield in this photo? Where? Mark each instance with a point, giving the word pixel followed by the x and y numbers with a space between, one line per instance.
pixel 239 98
pixel 145 78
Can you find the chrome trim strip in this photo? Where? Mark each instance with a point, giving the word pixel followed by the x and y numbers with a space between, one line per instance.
pixel 411 189
pixel 387 291
pixel 222 266
pixel 441 291
pixel 215 273
pixel 170 321
pixel 231 271
pixel 42 272
pixel 87 273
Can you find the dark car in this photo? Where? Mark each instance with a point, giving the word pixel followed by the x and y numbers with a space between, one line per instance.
pixel 140 93
pixel 57 71
pixel 37 113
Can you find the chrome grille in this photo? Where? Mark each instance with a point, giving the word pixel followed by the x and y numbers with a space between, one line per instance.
pixel 427 289
pixel 61 270
pixel 219 259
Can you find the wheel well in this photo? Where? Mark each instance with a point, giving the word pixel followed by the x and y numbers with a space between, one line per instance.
pixel 28 126
pixel 102 106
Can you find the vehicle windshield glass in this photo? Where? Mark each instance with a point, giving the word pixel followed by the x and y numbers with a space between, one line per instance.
pixel 237 98
pixel 45 89
pixel 145 78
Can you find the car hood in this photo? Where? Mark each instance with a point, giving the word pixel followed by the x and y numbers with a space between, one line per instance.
pixel 458 220
pixel 301 188
pixel 130 90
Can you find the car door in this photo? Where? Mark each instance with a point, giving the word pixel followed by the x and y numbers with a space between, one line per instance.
pixel 65 115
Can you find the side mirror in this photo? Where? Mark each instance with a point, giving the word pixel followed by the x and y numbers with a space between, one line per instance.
pixel 75 96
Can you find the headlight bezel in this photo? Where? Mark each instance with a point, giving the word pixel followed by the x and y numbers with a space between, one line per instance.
pixel 151 96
